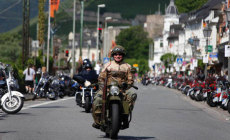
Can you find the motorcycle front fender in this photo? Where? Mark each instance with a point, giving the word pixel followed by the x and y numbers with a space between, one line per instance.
pixel 114 98
pixel 87 94
pixel 14 93
pixel 124 104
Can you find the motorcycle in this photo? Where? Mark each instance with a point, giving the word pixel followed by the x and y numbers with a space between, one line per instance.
pixel 66 83
pixel 11 101
pixel 56 88
pixel 116 112
pixel 43 89
pixel 86 94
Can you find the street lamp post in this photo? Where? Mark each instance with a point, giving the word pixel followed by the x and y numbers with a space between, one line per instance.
pixel 228 18
pixel 196 43
pixel 81 31
pixel 207 33
pixel 98 15
pixel 106 38
pixel 184 55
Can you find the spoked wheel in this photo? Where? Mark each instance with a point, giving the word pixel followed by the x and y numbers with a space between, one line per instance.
pixel 12 106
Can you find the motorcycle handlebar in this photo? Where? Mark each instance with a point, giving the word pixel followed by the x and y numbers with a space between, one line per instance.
pixel 135 87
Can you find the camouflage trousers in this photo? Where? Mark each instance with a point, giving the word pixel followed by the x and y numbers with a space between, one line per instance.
pixel 97 103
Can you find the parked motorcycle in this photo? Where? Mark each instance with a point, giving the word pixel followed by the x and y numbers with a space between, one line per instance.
pixel 44 89
pixel 66 83
pixel 11 101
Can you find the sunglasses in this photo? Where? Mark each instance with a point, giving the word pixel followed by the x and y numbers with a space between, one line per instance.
pixel 118 54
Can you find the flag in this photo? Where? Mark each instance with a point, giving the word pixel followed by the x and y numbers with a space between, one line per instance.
pixel 54 5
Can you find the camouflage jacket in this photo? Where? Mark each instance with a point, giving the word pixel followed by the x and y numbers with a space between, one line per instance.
pixel 116 72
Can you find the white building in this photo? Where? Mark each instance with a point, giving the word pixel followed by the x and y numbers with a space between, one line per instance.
pixel 161 44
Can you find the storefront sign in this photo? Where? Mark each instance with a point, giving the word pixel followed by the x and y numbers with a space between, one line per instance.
pixel 191 67
pixel 227 51
pixel 195 62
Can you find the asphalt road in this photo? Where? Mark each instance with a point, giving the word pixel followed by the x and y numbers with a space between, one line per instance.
pixel 159 114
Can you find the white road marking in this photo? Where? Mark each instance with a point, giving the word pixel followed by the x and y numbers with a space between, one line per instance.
pixel 49 102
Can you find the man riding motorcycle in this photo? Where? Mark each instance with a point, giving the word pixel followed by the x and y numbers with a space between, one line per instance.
pixel 115 70
pixel 88 73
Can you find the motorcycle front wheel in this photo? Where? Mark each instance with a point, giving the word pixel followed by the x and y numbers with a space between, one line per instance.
pixel 87 104
pixel 228 107
pixel 115 121
pixel 12 106
pixel 210 101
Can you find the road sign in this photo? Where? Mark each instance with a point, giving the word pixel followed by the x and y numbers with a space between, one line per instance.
pixel 167 70
pixel 105 60
pixel 179 61
pixel 205 58
pixel 35 43
pixel 183 68
pixel 208 48
pixel 227 51
pixel 213 55
pixel 135 65
pixel 177 68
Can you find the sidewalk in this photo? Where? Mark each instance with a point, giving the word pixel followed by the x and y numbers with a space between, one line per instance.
pixel 28 96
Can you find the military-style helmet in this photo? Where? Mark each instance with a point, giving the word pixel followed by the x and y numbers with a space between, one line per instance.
pixel 118 49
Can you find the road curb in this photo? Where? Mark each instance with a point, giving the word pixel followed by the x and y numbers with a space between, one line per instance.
pixel 28 97
pixel 213 111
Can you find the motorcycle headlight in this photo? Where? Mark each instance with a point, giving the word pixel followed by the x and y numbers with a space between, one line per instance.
pixel 114 90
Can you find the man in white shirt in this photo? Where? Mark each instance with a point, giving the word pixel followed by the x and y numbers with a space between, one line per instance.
pixel 29 78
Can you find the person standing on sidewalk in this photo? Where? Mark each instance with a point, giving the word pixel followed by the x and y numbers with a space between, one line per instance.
pixel 29 78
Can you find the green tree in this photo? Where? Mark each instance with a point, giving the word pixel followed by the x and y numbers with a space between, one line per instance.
pixel 136 44
pixel 41 21
pixel 185 6
pixel 135 41
pixel 168 58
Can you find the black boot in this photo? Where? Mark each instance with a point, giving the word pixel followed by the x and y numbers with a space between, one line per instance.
pixel 95 125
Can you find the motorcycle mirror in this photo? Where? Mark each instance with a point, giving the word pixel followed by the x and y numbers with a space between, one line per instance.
pixel 135 87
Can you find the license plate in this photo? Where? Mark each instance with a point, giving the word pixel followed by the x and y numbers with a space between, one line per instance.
pixel 205 94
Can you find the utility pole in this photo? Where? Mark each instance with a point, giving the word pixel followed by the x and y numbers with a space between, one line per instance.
pixel 25 32
pixel 73 44
pixel 48 42
pixel 81 34
pixel 28 29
